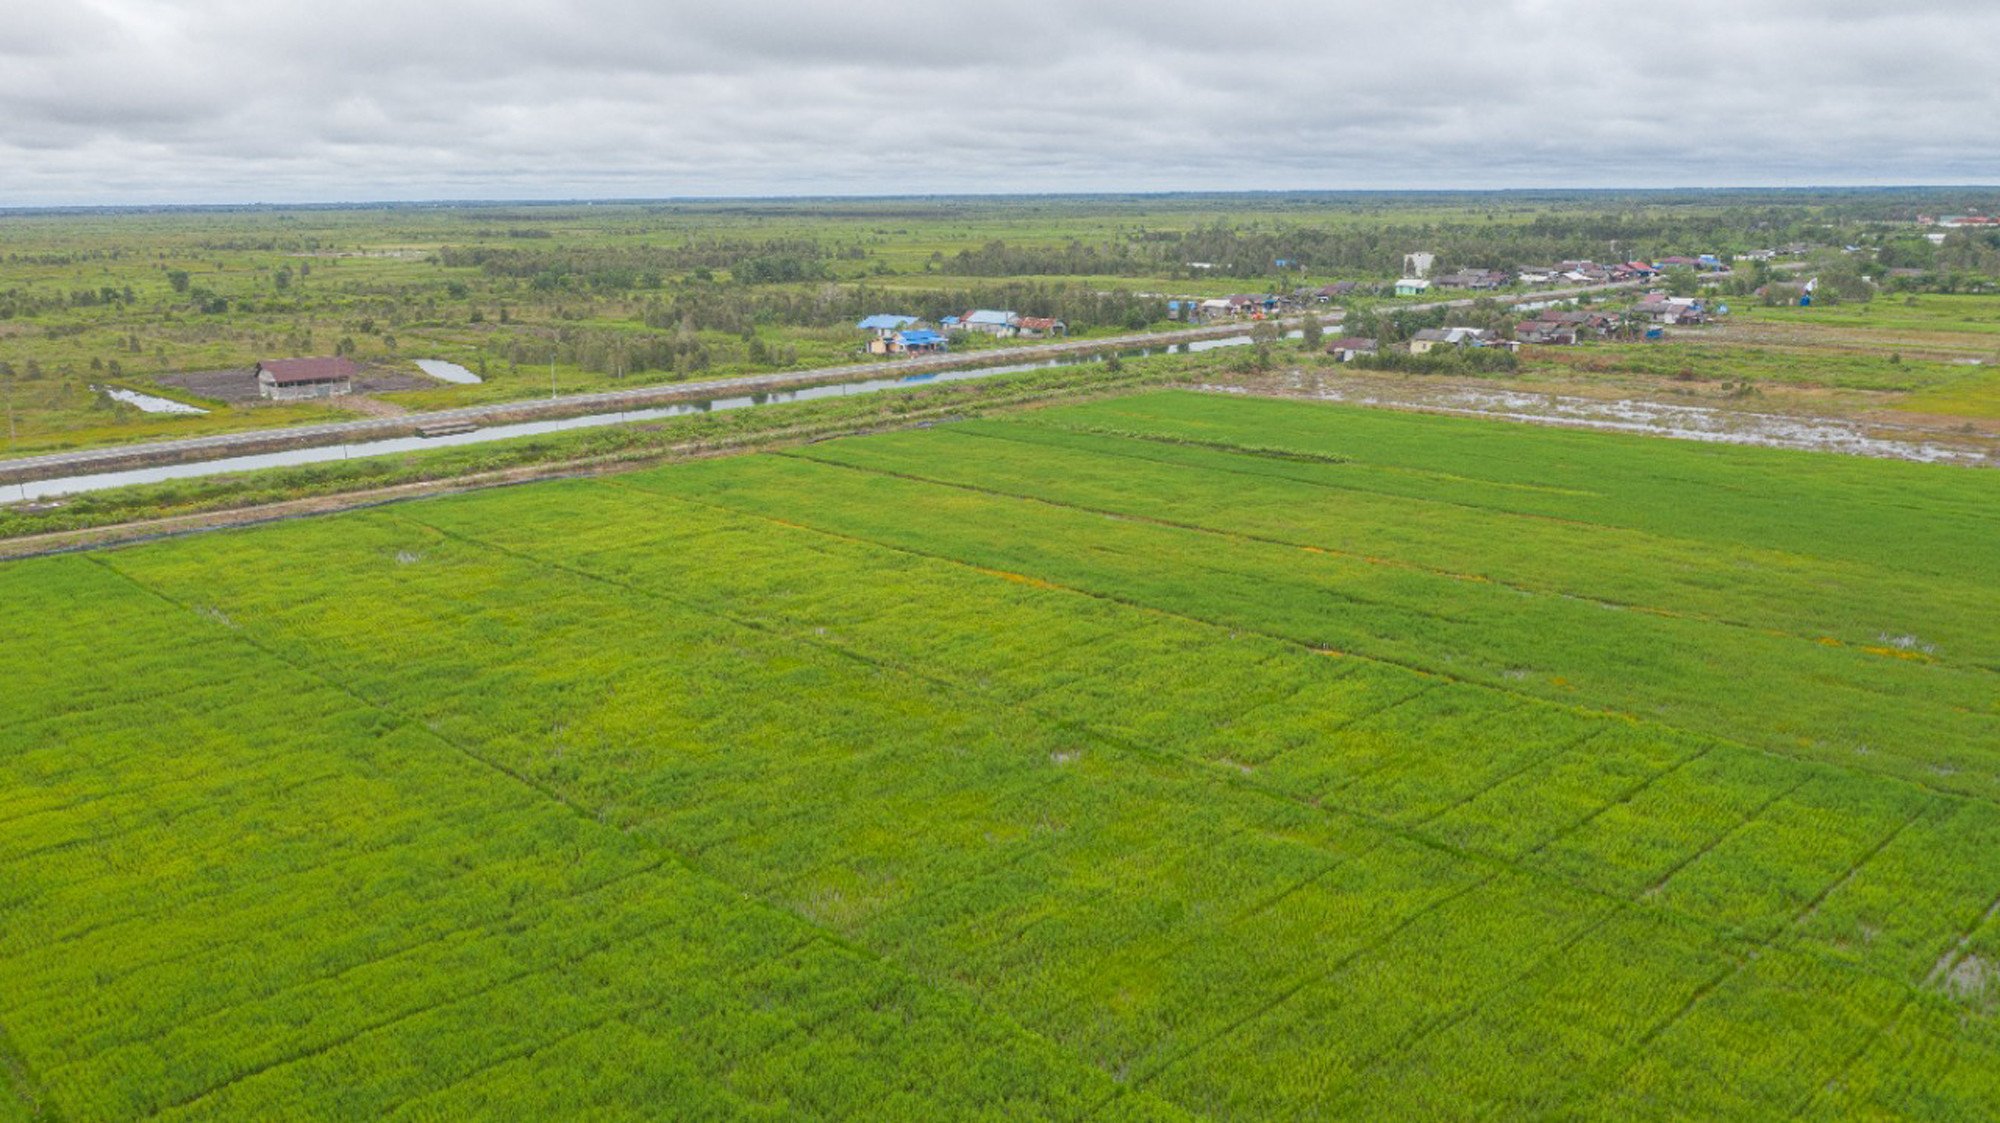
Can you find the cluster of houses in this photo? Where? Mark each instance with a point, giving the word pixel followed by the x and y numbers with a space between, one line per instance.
pixel 1592 273
pixel 1550 327
pixel 906 335
pixel 1417 282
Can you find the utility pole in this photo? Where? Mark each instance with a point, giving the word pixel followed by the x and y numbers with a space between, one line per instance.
pixel 552 374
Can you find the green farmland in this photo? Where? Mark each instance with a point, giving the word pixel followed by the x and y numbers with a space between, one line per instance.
pixel 1168 756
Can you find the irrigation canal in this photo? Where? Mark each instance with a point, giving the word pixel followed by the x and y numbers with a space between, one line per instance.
pixel 35 478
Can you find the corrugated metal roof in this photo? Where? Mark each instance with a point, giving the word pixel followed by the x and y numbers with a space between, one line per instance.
pixel 922 337
pixel 989 316
pixel 885 322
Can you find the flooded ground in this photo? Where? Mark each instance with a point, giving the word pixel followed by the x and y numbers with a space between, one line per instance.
pixel 149 403
pixel 448 372
pixel 1651 417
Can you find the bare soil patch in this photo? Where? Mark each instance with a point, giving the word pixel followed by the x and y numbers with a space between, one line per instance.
pixel 1633 409
pixel 238 385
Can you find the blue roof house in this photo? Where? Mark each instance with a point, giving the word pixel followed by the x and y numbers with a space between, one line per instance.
pixel 920 341
pixel 911 341
pixel 992 322
pixel 886 325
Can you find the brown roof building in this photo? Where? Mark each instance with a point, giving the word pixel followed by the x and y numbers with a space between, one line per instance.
pixel 286 380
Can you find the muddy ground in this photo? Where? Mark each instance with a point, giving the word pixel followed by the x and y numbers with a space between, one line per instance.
pixel 238 386
pixel 1770 421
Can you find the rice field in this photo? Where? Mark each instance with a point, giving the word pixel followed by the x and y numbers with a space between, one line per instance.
pixel 1169 756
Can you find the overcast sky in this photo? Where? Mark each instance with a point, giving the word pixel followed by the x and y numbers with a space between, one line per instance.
pixel 143 101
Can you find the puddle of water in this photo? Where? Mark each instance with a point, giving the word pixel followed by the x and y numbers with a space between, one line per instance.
pixel 1662 419
pixel 448 372
pixel 148 402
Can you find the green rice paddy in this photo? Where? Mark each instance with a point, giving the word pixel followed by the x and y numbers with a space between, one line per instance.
pixel 1170 756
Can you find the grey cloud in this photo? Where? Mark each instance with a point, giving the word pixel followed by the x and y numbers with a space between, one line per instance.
pixel 232 100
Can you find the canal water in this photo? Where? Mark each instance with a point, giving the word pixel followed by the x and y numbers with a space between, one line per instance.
pixel 76 485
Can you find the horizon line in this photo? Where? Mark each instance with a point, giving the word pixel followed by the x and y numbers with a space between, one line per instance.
pixel 860 197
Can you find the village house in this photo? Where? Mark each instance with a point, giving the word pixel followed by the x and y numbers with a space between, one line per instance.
pixel 1547 333
pixel 1583 272
pixel 1473 279
pixel 1036 327
pixel 1348 347
pixel 1584 320
pixel 885 328
pixel 1412 286
pixel 1423 342
pixel 292 380
pixel 916 341
pixel 1661 309
pixel 992 322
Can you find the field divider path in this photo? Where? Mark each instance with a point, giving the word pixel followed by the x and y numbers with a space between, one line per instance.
pixel 1310 547
pixel 683 860
pixel 1381 660
pixel 458 998
pixel 1659 884
pixel 978 999
pixel 343 688
pixel 1812 908
pixel 1950 959
pixel 431 940
pixel 169 905
pixel 1361 815
pixel 200 784
pixel 1148 520
pixel 1444 1021
pixel 1854 1056
pixel 18 1079
pixel 1310 978
pixel 1367 714
pixel 1235 777
pixel 1511 774
pixel 1622 798
pixel 1638 1051
pixel 621 1012
pixel 1493 865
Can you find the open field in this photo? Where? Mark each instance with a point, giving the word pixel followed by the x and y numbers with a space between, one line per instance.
pixel 1159 757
